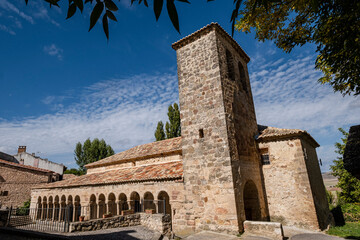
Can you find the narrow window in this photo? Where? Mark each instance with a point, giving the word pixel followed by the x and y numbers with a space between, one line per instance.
pixel 265 159
pixel 230 65
pixel 201 133
pixel 242 77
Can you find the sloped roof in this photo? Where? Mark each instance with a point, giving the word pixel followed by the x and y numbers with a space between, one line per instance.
pixel 212 26
pixel 155 172
pixel 18 165
pixel 159 148
pixel 273 133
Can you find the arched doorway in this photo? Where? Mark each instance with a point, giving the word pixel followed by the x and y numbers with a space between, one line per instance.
pixel 50 208
pixel 164 203
pixel 123 204
pixel 135 202
pixel 39 208
pixel 149 201
pixel 44 209
pixel 93 207
pixel 102 205
pixel 70 209
pixel 77 208
pixel 251 202
pixel 62 208
pixel 56 208
pixel 111 204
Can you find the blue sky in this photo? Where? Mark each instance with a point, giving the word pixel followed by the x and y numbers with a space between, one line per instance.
pixel 61 84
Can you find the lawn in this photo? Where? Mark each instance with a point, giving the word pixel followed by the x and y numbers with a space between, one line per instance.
pixel 351 230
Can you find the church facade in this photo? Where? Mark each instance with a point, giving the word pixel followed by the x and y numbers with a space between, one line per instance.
pixel 223 170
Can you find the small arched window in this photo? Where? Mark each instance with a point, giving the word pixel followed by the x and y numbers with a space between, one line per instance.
pixel 242 77
pixel 230 65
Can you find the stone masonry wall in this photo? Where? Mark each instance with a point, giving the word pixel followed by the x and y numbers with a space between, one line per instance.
pixel 287 184
pixel 157 222
pixel 18 182
pixel 241 127
pixel 209 190
pixel 317 185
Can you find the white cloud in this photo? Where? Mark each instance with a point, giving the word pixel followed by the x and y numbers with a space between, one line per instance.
pixel 12 8
pixel 6 29
pixel 122 111
pixel 54 50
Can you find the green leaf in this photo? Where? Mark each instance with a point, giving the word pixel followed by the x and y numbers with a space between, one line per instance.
pixel 109 4
pixel 173 14
pixel 111 15
pixel 71 11
pixel 79 4
pixel 95 14
pixel 158 4
pixel 106 25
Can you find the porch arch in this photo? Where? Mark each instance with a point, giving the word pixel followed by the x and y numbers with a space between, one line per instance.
pixel 251 202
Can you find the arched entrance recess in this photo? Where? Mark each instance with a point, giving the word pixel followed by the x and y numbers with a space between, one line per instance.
pixel 149 201
pixel 123 204
pixel 112 204
pixel 164 203
pixel 102 205
pixel 135 202
pixel 93 207
pixel 251 202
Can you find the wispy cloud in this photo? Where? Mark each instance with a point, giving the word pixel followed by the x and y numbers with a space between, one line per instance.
pixel 6 5
pixel 122 111
pixel 6 29
pixel 54 50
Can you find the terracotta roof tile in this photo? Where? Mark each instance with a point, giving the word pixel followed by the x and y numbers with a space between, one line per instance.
pixel 269 133
pixel 148 150
pixel 24 166
pixel 163 171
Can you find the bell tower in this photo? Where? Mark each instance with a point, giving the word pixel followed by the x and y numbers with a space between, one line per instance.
pixel 222 175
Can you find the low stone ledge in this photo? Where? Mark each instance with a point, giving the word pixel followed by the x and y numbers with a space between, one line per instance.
pixel 157 222
pixel 111 222
pixel 271 230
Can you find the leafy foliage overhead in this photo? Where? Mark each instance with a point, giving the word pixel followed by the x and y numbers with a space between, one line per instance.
pixel 334 26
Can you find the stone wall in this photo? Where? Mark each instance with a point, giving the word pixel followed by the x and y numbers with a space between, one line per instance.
pixel 270 230
pixel 289 194
pixel 157 222
pixel 35 161
pixel 111 222
pixel 317 184
pixel 17 182
pixel 209 190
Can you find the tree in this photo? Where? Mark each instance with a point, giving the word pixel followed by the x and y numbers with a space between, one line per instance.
pixel 172 127
pixel 159 133
pixel 350 186
pixel 334 26
pixel 74 171
pixel 91 151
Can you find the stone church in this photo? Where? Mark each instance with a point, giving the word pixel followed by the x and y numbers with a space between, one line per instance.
pixel 223 170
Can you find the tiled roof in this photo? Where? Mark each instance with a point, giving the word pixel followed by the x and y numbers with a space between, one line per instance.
pixel 148 150
pixel 186 40
pixel 155 172
pixel 270 133
pixel 24 166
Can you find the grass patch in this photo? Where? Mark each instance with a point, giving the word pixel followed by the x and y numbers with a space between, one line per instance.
pixel 350 230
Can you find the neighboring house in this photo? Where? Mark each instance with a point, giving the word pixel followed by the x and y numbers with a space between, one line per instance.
pixel 31 160
pixel 16 181
pixel 223 170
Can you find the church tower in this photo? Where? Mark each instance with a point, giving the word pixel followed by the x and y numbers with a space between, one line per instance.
pixel 222 174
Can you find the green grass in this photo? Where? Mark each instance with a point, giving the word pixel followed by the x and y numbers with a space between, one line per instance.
pixel 350 230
